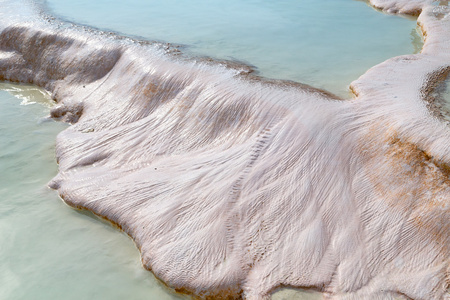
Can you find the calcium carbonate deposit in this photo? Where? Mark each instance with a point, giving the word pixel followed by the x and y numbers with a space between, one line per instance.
pixel 232 185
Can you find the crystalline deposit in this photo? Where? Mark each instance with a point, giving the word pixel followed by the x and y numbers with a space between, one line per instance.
pixel 233 185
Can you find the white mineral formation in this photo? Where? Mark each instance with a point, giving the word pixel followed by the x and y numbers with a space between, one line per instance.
pixel 233 185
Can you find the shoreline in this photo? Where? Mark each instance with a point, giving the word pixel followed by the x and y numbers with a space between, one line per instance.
pixel 264 138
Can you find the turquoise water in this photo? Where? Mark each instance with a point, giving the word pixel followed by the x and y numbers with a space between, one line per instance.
pixel 327 43
pixel 48 250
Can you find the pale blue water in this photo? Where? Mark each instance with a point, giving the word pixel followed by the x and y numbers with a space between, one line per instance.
pixel 49 251
pixel 326 43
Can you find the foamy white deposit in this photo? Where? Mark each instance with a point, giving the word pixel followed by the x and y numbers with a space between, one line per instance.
pixel 232 185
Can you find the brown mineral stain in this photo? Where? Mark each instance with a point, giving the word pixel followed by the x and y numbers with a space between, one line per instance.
pixel 419 186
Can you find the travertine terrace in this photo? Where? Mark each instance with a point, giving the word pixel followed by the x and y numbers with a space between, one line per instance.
pixel 233 185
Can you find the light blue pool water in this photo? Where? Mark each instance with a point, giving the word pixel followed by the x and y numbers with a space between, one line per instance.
pixel 327 43
pixel 48 250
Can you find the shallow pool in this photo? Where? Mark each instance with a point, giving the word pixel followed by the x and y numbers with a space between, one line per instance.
pixel 326 44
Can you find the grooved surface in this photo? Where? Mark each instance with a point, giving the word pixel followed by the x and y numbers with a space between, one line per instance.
pixel 234 186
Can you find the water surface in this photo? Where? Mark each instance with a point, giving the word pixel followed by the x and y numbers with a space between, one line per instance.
pixel 327 43
pixel 48 250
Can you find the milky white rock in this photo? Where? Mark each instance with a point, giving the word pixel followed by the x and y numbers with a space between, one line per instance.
pixel 233 185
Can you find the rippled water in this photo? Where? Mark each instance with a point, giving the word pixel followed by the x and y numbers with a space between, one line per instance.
pixel 327 43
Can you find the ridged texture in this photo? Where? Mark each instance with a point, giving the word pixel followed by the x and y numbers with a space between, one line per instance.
pixel 410 7
pixel 232 185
